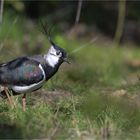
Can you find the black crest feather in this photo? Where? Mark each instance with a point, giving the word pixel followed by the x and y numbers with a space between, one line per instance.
pixel 47 32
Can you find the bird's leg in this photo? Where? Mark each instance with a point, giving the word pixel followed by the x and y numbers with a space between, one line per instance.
pixel 10 99
pixel 24 102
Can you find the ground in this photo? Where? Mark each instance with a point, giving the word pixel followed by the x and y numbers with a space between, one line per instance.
pixel 95 97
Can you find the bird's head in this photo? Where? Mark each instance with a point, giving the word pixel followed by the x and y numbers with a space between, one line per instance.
pixel 56 55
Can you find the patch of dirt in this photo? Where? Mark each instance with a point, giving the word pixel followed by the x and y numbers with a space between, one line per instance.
pixel 135 63
pixel 50 96
pixel 123 94
pixel 119 93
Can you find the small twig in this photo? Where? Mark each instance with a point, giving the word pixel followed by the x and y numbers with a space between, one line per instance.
pixel 78 12
pixel 83 46
pixel 1 10
pixel 120 22
pixel 77 18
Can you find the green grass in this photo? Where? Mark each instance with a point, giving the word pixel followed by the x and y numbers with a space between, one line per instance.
pixel 80 102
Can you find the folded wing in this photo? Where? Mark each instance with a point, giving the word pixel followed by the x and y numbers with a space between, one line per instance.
pixel 21 72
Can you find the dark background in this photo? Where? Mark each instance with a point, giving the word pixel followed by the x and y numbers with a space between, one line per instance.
pixel 96 16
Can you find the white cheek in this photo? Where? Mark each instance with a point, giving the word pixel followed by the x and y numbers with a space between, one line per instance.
pixel 52 60
pixel 52 50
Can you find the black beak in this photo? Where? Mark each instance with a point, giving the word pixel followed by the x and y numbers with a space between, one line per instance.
pixel 66 59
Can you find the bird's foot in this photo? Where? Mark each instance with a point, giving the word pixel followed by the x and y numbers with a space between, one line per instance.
pixel 24 102
pixel 10 98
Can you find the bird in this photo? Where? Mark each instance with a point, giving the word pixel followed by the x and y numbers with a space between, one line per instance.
pixel 29 73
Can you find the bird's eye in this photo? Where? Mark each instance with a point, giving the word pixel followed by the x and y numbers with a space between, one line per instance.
pixel 58 53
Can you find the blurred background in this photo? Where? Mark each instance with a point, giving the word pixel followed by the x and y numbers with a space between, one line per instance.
pixel 95 17
pixel 97 95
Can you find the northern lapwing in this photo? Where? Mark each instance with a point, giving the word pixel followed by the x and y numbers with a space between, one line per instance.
pixel 27 74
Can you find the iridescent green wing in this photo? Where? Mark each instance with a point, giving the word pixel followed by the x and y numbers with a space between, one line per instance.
pixel 22 71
